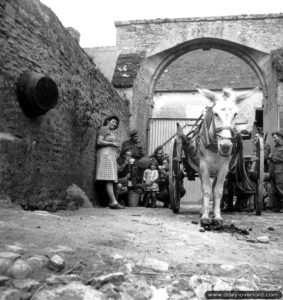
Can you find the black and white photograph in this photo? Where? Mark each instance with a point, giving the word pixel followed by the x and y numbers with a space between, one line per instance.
pixel 141 149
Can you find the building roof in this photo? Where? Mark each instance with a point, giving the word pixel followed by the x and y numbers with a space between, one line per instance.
pixel 126 70
pixel 212 69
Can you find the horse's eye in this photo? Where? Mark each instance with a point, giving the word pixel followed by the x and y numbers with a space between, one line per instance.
pixel 216 115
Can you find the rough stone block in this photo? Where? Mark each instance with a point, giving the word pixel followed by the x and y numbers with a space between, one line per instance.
pixel 20 269
pixel 37 262
pixel 25 285
pixel 56 263
pixel 74 290
pixel 78 197
pixel 9 255
pixel 5 264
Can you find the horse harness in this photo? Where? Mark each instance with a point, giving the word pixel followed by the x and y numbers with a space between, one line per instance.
pixel 207 134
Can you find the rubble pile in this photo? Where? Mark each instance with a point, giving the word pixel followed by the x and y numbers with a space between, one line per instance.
pixel 50 277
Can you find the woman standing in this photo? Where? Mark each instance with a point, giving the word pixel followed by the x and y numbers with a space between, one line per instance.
pixel 107 154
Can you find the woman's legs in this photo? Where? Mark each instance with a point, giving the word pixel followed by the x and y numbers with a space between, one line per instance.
pixel 110 192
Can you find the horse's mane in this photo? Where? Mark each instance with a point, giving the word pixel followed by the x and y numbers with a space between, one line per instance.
pixel 227 91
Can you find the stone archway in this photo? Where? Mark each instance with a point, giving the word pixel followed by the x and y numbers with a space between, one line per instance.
pixel 146 47
pixel 242 52
pixel 153 66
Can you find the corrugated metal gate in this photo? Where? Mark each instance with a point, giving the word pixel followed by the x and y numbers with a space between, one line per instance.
pixel 161 131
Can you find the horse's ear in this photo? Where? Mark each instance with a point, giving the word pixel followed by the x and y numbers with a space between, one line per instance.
pixel 180 132
pixel 206 93
pixel 243 96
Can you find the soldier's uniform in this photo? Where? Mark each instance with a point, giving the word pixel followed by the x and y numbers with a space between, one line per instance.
pixel 276 175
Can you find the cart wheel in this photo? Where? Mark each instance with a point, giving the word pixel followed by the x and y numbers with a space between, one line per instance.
pixel 174 170
pixel 260 172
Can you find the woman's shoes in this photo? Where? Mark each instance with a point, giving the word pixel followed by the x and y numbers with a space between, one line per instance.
pixel 117 206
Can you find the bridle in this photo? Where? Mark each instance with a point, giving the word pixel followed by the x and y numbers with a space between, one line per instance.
pixel 210 140
pixel 221 128
pixel 232 138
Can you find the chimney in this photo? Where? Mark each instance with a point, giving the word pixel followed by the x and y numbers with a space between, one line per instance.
pixel 74 33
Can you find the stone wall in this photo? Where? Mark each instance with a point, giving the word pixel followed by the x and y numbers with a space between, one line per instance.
pixel 41 157
pixel 261 32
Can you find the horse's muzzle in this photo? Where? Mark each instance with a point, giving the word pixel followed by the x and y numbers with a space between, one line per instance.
pixel 226 136
pixel 225 147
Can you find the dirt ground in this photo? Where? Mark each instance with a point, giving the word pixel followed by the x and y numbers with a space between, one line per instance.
pixel 138 233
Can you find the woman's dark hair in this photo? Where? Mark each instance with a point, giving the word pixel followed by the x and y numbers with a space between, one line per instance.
pixel 157 149
pixel 108 119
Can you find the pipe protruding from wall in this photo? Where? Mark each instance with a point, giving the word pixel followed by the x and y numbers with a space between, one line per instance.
pixel 36 93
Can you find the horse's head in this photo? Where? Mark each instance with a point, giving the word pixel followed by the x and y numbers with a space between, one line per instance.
pixel 225 110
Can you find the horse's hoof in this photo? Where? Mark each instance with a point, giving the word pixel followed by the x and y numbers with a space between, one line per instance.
pixel 217 222
pixel 204 222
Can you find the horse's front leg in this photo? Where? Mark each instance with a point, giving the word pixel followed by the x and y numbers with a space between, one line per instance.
pixel 206 194
pixel 217 194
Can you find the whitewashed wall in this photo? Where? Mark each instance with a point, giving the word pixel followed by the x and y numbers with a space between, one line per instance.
pixel 191 104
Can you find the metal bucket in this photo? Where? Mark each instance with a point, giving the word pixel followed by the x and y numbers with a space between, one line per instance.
pixel 133 199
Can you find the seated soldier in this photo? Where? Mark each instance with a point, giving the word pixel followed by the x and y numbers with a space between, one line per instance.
pixel 158 155
pixel 134 145
pixel 125 163
pixel 276 172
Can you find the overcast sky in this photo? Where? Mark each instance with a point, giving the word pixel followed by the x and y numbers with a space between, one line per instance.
pixel 94 19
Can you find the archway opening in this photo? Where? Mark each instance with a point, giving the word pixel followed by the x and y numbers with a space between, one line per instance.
pixel 175 98
pixel 175 95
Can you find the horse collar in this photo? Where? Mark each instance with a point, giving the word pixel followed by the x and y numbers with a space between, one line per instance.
pixel 208 132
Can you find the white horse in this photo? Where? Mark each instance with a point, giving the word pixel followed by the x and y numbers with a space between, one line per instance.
pixel 209 152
